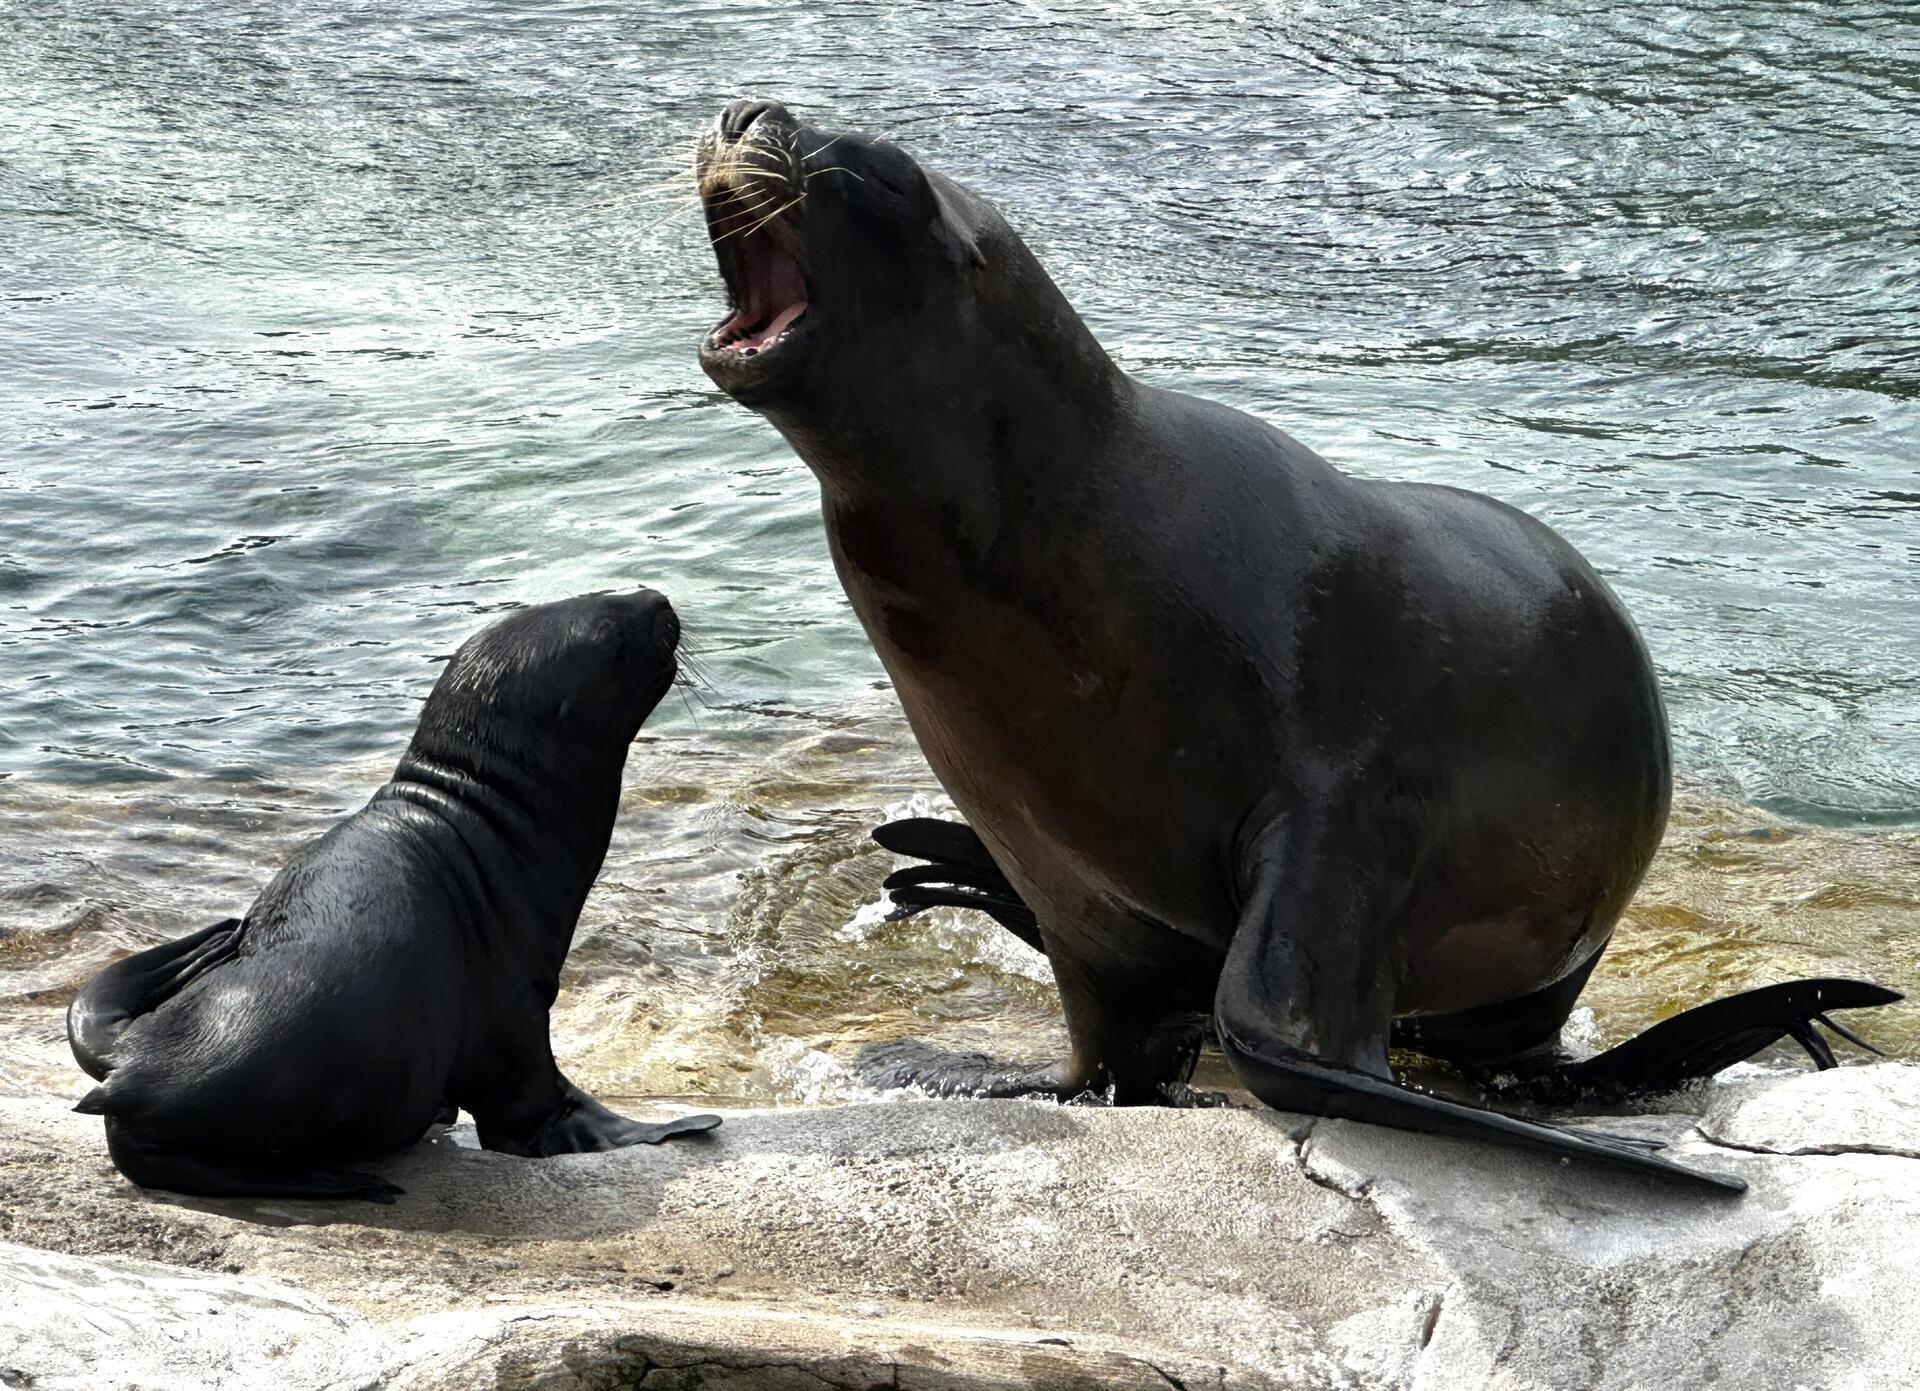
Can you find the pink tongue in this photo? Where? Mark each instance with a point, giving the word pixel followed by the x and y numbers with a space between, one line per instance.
pixel 773 330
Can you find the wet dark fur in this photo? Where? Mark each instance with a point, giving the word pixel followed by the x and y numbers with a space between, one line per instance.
pixel 403 964
pixel 1243 736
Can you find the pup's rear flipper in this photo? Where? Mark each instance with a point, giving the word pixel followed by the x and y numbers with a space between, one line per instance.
pixel 1701 1041
pixel 138 985
pixel 153 1165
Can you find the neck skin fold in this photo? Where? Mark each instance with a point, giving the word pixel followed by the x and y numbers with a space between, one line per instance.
pixel 548 819
pixel 1012 397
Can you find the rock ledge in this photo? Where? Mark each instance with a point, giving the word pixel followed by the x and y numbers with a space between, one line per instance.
pixel 996 1244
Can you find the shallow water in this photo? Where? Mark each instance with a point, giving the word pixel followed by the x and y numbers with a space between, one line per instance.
pixel 332 329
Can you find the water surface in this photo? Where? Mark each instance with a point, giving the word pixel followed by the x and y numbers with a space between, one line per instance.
pixel 331 330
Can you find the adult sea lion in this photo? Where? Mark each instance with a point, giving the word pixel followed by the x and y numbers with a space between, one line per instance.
pixel 401 966
pixel 1240 735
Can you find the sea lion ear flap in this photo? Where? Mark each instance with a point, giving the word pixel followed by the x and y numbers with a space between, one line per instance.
pixel 951 231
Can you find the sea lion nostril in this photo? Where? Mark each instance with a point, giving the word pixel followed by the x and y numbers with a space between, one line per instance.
pixel 738 117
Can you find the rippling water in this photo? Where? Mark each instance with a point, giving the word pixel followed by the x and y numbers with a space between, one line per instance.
pixel 331 329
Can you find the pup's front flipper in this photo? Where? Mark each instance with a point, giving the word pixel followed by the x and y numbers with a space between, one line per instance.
pixel 1303 1011
pixel 581 1125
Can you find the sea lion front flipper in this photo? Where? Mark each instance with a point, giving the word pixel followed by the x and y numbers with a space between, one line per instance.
pixel 139 984
pixel 1303 1014
pixel 1703 1040
pixel 1292 1081
pixel 937 1071
pixel 1012 914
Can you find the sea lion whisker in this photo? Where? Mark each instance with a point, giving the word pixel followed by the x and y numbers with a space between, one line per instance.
pixel 662 170
pixel 720 193
pixel 694 689
pixel 677 153
pixel 734 157
pixel 645 196
pixel 685 703
pixel 834 169
pixel 641 195
pixel 749 231
pixel 745 188
pixel 720 217
pixel 717 182
pixel 673 216
pixel 790 203
pixel 663 175
pixel 682 179
pixel 692 668
pixel 690 674
pixel 886 134
pixel 810 154
pixel 657 203
pixel 749 209
pixel 777 156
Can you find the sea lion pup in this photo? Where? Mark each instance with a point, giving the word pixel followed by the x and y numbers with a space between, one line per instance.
pixel 1246 741
pixel 402 965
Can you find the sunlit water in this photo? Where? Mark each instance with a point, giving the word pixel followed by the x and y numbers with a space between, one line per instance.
pixel 330 330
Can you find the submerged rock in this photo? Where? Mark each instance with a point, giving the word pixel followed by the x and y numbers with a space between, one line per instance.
pixel 989 1244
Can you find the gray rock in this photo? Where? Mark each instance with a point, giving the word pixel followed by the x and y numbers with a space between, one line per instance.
pixel 70 1321
pixel 1853 1110
pixel 989 1244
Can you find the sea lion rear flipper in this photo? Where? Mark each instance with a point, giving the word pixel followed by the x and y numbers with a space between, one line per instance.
pixel 929 838
pixel 937 1071
pixel 1299 982
pixel 1701 1041
pixel 139 984
pixel 961 874
pixel 1011 914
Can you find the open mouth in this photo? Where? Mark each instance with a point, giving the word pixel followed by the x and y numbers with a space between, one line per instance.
pixel 760 261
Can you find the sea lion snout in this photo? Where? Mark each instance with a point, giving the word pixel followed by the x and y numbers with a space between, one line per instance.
pixel 752 179
pixel 647 615
pixel 666 628
pixel 736 118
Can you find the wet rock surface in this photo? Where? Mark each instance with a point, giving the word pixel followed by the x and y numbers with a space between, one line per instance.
pixel 989 1244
